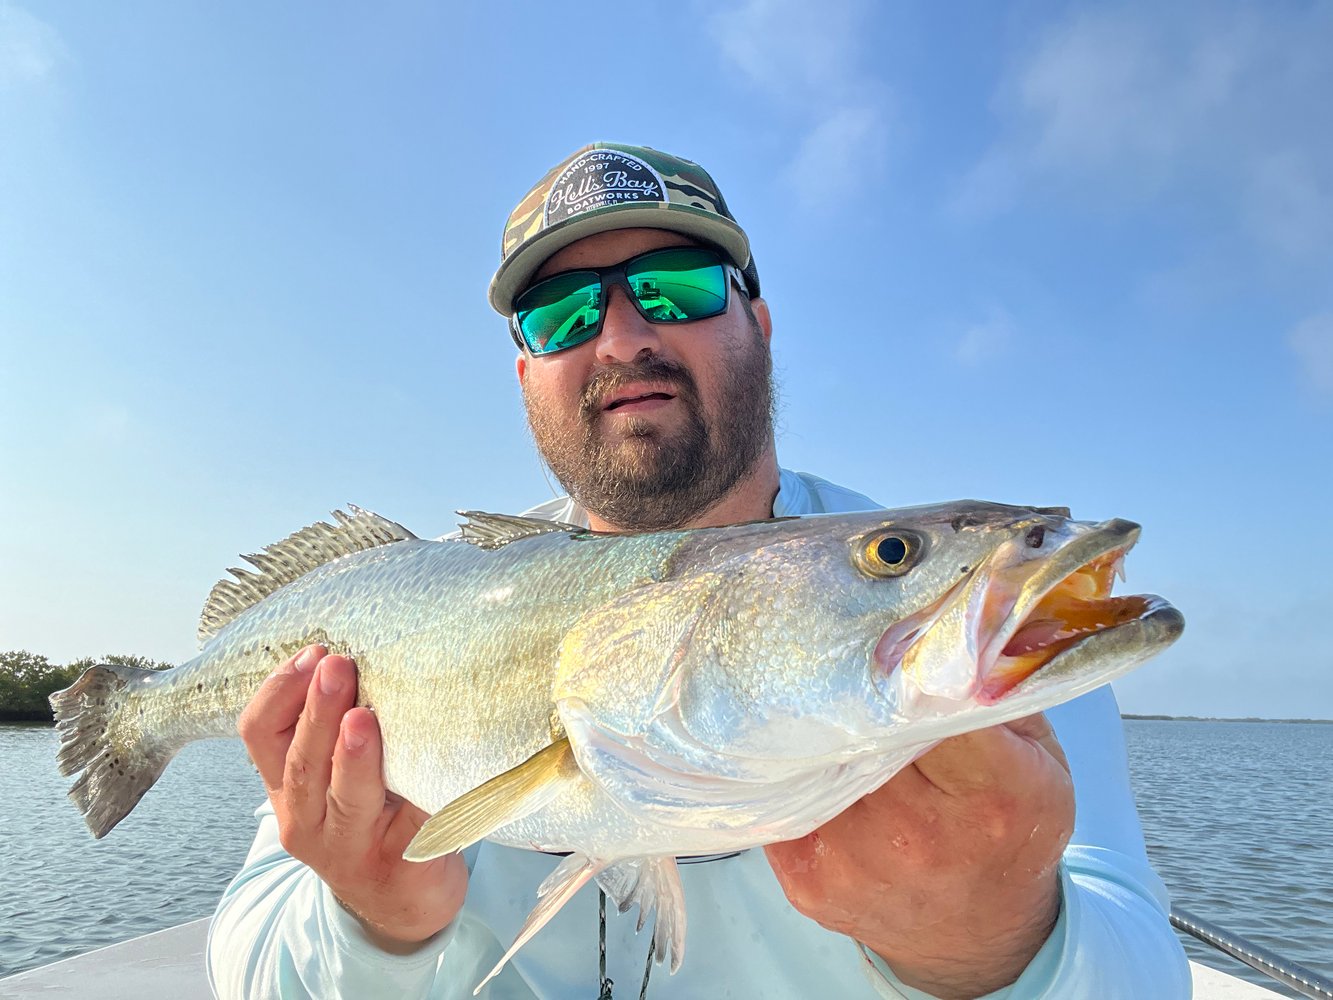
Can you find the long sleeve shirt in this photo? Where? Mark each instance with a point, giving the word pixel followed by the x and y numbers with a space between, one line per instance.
pixel 279 932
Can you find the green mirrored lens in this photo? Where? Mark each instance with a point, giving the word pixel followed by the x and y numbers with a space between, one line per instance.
pixel 679 285
pixel 562 312
pixel 675 285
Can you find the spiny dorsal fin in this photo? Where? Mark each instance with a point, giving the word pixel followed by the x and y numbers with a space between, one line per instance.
pixel 491 531
pixel 292 558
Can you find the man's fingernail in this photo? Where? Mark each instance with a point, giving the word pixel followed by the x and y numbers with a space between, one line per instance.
pixel 329 682
pixel 351 740
pixel 307 660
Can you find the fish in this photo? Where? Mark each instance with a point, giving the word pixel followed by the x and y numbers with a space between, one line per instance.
pixel 628 699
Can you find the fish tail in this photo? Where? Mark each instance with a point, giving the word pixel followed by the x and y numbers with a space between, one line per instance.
pixel 99 722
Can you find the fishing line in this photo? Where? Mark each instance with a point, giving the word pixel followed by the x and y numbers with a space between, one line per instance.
pixel 603 984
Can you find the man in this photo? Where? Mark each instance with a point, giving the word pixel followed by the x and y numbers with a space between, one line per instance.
pixel 645 369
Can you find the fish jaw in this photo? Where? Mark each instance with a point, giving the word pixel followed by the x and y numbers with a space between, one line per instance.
pixel 1030 603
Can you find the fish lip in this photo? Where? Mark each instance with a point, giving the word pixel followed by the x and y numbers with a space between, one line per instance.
pixel 1158 627
pixel 632 391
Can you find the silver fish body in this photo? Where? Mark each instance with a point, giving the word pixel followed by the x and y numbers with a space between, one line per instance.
pixel 630 698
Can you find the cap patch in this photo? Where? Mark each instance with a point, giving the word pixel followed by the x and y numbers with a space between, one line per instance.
pixel 600 178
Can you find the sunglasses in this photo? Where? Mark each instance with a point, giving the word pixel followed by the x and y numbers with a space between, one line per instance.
pixel 675 285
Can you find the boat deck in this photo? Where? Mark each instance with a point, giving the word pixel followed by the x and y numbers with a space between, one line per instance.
pixel 169 965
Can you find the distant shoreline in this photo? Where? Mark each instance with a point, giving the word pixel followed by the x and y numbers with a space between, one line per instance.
pixel 9 715
pixel 1212 718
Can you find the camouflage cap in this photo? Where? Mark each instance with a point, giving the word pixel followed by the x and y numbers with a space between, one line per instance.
pixel 608 186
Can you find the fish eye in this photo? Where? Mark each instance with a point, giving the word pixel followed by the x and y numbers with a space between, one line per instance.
pixel 887 553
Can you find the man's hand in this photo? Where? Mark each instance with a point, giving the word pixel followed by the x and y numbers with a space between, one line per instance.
pixel 948 872
pixel 321 762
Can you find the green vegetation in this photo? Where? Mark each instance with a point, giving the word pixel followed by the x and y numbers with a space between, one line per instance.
pixel 27 680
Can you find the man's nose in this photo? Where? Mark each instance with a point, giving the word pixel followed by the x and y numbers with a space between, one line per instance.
pixel 625 333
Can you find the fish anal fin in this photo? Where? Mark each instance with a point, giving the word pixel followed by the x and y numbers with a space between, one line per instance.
pixel 559 888
pixel 292 558
pixel 653 885
pixel 503 799
pixel 493 531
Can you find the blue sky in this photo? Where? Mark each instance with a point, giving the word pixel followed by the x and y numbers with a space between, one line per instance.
pixel 1041 253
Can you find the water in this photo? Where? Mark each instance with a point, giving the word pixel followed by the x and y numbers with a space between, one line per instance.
pixel 167 863
pixel 1236 818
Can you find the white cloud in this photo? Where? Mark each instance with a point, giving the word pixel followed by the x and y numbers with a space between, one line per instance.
pixel 790 49
pixel 30 49
pixel 806 60
pixel 1224 103
pixel 1291 203
pixel 835 155
pixel 984 341
pixel 1312 342
pixel 1090 85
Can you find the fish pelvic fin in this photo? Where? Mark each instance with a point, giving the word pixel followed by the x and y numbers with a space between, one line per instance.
pixel 559 888
pixel 652 884
pixel 503 799
pixel 292 558
pixel 100 735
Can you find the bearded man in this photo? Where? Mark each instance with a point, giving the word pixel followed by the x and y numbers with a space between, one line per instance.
pixel 644 362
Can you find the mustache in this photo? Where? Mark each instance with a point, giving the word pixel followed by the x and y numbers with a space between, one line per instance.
pixel 650 369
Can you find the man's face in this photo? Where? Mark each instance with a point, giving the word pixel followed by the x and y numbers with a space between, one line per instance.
pixel 649 425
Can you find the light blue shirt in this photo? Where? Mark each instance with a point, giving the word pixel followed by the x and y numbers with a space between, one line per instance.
pixel 279 932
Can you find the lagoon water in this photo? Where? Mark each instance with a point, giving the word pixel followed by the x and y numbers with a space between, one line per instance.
pixel 1235 814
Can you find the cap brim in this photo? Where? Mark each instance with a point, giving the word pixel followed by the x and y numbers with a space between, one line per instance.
pixel 516 272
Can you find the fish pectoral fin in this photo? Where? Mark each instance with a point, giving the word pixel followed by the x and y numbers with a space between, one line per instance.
pixel 503 799
pixel 558 889
pixel 652 884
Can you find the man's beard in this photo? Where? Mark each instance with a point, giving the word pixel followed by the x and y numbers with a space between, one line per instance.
pixel 650 479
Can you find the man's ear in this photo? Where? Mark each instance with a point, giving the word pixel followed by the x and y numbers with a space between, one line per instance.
pixel 521 366
pixel 762 316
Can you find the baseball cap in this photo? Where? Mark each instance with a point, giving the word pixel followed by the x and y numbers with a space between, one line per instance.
pixel 608 186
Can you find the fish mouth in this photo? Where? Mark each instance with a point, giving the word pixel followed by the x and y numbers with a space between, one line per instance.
pixel 1023 610
pixel 1054 617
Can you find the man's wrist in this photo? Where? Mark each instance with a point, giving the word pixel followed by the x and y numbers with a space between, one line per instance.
pixel 380 937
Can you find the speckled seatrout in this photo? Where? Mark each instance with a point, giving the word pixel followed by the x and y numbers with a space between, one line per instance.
pixel 631 698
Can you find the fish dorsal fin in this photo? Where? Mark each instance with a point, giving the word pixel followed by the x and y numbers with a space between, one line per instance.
pixel 292 558
pixel 491 531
